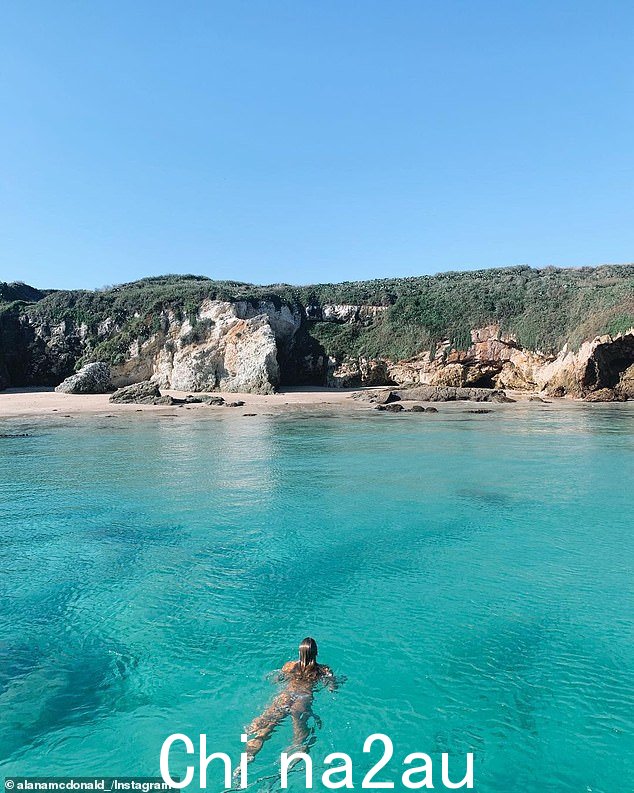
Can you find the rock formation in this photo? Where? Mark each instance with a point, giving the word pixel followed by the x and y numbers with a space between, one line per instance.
pixel 93 378
pixel 144 393
pixel 228 346
pixel 451 331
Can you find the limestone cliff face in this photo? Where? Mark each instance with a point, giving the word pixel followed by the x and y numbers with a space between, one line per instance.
pixel 493 360
pixel 605 364
pixel 229 347
pixel 38 352
pixel 602 367
pixel 194 334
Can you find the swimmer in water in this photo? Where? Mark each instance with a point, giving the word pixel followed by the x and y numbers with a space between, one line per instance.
pixel 296 700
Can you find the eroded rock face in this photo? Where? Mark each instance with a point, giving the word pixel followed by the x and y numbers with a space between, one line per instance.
pixel 93 378
pixel 354 372
pixel 602 395
pixel 603 363
pixel 230 347
pixel 493 360
pixel 625 387
pixel 255 346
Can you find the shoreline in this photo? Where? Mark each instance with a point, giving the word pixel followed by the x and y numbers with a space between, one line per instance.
pixel 46 402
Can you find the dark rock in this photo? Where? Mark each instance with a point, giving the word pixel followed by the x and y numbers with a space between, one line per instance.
pixel 237 404
pixel 249 414
pixel 386 398
pixel 188 400
pixel 15 435
pixel 479 411
pixel 393 407
pixel 610 367
pixel 452 393
pixel 163 400
pixel 417 409
pixel 213 400
pixel 376 397
pixel 431 410
pixel 604 395
pixel 535 398
pixel 145 393
pixel 93 378
pixel 558 392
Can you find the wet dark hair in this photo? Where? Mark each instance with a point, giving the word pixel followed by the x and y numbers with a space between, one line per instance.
pixel 307 652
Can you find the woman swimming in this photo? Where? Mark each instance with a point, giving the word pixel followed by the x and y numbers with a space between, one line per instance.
pixel 296 700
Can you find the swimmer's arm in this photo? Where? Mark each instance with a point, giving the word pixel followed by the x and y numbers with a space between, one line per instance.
pixel 330 681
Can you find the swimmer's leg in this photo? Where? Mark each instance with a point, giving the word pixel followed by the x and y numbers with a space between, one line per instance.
pixel 302 734
pixel 262 727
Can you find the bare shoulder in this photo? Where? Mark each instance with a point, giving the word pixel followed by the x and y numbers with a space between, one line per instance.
pixel 325 671
pixel 289 667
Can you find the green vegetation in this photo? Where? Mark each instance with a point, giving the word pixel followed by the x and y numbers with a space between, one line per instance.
pixel 543 308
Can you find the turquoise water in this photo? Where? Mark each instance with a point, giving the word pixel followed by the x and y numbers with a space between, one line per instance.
pixel 470 576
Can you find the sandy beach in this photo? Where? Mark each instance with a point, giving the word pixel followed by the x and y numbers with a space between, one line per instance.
pixel 42 402
pixel 33 402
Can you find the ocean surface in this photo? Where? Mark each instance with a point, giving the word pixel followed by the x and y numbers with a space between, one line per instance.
pixel 469 578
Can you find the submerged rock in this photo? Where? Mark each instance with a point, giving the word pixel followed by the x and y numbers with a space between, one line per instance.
pixel 93 378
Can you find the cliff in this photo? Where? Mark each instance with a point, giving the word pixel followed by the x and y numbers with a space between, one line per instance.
pixel 564 331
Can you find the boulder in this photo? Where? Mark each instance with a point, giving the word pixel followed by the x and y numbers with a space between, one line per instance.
pixel 376 397
pixel 452 394
pixel 93 378
pixel 417 409
pixel 213 400
pixel 145 393
pixel 603 395
pixel 164 400
pixel 393 407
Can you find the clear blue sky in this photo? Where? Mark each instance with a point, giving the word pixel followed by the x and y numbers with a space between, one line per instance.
pixel 300 141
